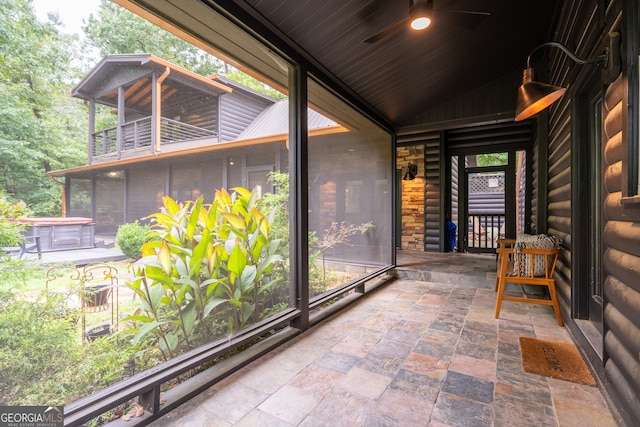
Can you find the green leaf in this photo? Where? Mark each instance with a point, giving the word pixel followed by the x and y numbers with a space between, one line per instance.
pixel 145 329
pixel 164 256
pixel 189 318
pixel 211 305
pixel 237 261
pixel 236 221
pixel 248 277
pixel 172 341
pixel 170 205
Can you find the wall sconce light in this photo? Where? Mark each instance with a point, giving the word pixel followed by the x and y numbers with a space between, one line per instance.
pixel 412 171
pixel 534 97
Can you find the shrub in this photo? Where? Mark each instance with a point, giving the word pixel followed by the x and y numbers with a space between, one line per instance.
pixel 211 269
pixel 130 238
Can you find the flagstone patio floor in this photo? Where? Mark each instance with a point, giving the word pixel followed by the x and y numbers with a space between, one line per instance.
pixel 412 353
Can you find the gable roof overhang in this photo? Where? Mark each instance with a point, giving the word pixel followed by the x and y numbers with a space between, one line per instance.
pixel 135 73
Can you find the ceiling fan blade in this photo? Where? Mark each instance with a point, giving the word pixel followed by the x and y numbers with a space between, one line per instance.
pixel 460 18
pixel 387 31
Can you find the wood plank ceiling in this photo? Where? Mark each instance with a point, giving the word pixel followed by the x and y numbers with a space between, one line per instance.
pixel 411 72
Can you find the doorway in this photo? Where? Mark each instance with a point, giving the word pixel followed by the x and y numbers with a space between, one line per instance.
pixel 488 198
pixel 587 217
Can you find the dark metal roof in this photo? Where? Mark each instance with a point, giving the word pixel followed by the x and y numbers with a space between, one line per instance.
pixel 410 72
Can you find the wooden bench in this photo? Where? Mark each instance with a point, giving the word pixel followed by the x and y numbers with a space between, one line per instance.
pixel 519 267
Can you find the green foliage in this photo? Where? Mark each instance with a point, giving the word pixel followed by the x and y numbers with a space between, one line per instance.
pixel 115 30
pixel 11 231
pixel 493 159
pixel 130 238
pixel 41 127
pixel 210 270
pixel 43 360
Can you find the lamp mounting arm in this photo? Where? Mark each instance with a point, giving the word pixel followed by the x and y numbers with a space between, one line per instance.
pixel 611 59
pixel 602 59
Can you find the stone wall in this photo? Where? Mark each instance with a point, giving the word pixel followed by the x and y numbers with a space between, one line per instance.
pixel 412 198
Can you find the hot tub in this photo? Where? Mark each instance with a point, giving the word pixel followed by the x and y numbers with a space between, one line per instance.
pixel 57 234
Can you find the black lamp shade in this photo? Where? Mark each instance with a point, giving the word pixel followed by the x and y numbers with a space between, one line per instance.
pixel 534 97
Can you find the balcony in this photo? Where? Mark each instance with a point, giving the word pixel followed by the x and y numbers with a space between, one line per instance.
pixel 137 137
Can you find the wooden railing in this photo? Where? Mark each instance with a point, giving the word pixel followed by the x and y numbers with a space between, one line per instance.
pixel 137 134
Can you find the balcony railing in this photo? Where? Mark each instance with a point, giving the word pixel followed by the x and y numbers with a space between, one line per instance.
pixel 137 134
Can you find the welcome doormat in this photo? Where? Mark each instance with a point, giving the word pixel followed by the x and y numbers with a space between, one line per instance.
pixel 554 359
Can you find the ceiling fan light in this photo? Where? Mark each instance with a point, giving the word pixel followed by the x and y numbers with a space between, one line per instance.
pixel 420 23
pixel 420 15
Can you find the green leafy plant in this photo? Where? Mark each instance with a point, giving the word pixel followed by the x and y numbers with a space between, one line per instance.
pixel 209 270
pixel 130 238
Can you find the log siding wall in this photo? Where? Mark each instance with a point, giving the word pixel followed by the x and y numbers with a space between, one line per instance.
pixel 622 264
pixel 584 25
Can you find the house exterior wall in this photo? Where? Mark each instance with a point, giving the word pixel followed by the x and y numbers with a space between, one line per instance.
pixel 237 111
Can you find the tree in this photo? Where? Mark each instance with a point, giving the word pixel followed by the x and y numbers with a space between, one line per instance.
pixel 115 30
pixel 41 127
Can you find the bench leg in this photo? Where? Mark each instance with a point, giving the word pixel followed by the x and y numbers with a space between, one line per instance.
pixel 501 282
pixel 554 300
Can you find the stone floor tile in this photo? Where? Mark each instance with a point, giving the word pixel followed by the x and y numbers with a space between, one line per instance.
pixel 395 408
pixel 484 327
pixel 431 300
pixel 422 364
pixel 340 410
pixel 379 364
pixel 257 418
pixel 316 379
pixel 572 414
pixel 336 361
pixel 194 417
pixel 524 386
pixel 449 325
pixel 577 393
pixel 394 349
pixel 359 343
pixel 469 349
pixel 417 385
pixel 442 350
pixel 460 412
pixel 290 404
pixel 510 411
pixel 509 349
pixel 468 387
pixel 364 383
pixel 234 402
pixel 480 338
pixel 483 369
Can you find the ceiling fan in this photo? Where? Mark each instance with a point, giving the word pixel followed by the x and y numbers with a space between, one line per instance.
pixel 422 14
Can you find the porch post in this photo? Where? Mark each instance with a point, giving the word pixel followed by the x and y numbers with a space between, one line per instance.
pixel 92 130
pixel 121 118
pixel 156 110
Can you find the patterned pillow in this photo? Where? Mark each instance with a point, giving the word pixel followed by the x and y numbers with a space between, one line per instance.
pixel 528 241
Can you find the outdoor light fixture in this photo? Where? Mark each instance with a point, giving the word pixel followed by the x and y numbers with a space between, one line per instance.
pixel 412 171
pixel 420 15
pixel 534 97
